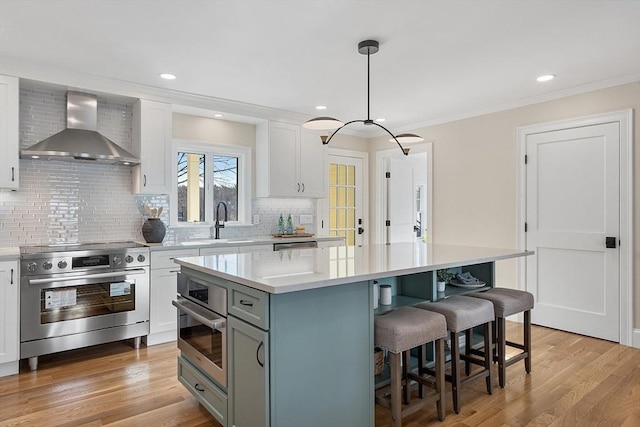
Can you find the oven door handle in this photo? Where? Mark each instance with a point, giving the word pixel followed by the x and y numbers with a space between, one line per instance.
pixel 200 314
pixel 87 276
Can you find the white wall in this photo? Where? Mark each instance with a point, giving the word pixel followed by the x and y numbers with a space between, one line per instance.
pixel 474 172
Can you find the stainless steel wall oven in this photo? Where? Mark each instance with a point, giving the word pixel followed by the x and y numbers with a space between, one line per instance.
pixel 82 295
pixel 202 331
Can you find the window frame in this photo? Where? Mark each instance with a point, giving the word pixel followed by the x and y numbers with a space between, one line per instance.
pixel 210 149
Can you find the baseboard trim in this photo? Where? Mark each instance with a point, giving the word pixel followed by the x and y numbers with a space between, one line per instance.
pixel 9 368
pixel 635 338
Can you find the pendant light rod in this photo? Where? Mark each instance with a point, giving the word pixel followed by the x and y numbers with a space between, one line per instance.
pixel 366 47
pixel 368 86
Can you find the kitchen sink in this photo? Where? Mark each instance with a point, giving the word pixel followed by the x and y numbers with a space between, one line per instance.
pixel 212 242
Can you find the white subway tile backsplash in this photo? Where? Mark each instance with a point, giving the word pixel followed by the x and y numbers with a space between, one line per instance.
pixel 64 202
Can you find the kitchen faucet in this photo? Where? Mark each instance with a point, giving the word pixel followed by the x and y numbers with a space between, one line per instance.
pixel 218 226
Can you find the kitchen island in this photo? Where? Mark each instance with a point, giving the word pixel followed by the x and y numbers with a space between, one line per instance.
pixel 300 326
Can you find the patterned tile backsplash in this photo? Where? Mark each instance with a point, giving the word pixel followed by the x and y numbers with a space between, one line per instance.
pixel 66 202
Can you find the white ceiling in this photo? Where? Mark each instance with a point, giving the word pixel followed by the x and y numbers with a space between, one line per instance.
pixel 438 60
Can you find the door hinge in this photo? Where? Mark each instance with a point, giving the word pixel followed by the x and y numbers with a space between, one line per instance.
pixel 387 223
pixel 526 159
pixel 387 174
pixel 525 227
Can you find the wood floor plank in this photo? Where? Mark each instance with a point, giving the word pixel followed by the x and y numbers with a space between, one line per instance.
pixel 575 381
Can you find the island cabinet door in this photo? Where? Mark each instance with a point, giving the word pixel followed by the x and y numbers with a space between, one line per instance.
pixel 248 376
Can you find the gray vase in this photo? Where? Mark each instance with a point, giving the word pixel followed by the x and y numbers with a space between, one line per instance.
pixel 153 230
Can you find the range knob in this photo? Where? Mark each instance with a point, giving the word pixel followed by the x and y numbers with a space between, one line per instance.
pixel 128 258
pixel 117 259
pixel 141 258
pixel 62 265
pixel 47 265
pixel 32 266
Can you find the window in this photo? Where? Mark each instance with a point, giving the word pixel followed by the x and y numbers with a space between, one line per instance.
pixel 206 174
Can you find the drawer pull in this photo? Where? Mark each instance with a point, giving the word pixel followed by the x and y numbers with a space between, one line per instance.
pixel 258 354
pixel 198 387
pixel 247 303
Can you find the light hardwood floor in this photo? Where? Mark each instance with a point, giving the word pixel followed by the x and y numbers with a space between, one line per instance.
pixel 576 381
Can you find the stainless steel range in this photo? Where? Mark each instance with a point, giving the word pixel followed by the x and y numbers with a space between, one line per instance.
pixel 81 295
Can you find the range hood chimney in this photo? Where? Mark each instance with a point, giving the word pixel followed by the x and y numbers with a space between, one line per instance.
pixel 80 141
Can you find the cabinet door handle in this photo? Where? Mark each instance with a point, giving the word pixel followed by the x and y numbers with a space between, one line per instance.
pixel 298 187
pixel 247 303
pixel 198 387
pixel 258 354
pixel 13 176
pixel 11 282
pixel 144 177
pixel 174 271
pixel 303 187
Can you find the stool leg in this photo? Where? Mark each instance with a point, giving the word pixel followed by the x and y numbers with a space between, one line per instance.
pixel 396 385
pixel 527 340
pixel 455 374
pixel 421 363
pixel 467 348
pixel 502 349
pixel 406 360
pixel 488 362
pixel 440 377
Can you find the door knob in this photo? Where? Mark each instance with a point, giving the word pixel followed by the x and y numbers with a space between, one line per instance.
pixel 360 230
pixel 611 242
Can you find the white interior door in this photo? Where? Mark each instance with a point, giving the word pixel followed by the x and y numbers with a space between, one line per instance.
pixel 572 207
pixel 400 201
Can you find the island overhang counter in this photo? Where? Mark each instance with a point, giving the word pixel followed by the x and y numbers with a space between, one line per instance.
pixel 300 324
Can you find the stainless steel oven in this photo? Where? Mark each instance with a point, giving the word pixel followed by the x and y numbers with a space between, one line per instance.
pixel 202 321
pixel 77 296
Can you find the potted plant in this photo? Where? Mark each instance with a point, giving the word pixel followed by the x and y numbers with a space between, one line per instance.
pixel 444 276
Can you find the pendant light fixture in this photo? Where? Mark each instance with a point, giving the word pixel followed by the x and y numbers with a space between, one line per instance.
pixel 366 47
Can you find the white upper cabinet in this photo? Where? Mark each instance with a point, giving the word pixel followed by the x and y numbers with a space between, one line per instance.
pixel 290 162
pixel 313 165
pixel 152 132
pixel 9 143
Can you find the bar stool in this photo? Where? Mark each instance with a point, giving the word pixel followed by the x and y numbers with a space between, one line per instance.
pixel 507 302
pixel 464 313
pixel 398 332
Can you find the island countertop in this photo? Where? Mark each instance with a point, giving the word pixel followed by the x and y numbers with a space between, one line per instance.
pixel 304 269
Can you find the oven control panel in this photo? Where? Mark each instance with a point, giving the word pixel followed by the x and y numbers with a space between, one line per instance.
pixel 70 261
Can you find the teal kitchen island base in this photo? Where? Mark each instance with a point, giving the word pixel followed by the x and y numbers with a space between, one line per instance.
pixel 300 328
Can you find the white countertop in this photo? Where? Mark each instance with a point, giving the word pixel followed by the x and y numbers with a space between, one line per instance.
pixel 9 254
pixel 237 242
pixel 303 269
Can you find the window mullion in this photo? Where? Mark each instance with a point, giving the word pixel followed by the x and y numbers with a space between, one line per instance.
pixel 208 199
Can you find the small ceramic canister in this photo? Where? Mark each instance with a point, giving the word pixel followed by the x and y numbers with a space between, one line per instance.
pixel 385 294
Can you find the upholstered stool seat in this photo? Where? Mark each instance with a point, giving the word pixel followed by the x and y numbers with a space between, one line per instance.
pixel 464 313
pixel 398 332
pixel 507 302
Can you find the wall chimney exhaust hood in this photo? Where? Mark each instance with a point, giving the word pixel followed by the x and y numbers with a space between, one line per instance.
pixel 80 141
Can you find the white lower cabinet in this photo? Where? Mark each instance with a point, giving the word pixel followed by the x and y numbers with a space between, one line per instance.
pixel 163 322
pixel 9 318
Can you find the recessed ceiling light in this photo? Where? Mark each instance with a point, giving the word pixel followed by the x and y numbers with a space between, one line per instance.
pixel 380 120
pixel 35 157
pixel 321 107
pixel 218 115
pixel 546 77
pixel 168 76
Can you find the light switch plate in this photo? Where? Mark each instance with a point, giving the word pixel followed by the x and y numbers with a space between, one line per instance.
pixel 306 219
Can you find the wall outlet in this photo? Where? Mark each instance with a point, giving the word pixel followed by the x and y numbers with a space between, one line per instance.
pixel 306 219
pixel 256 219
